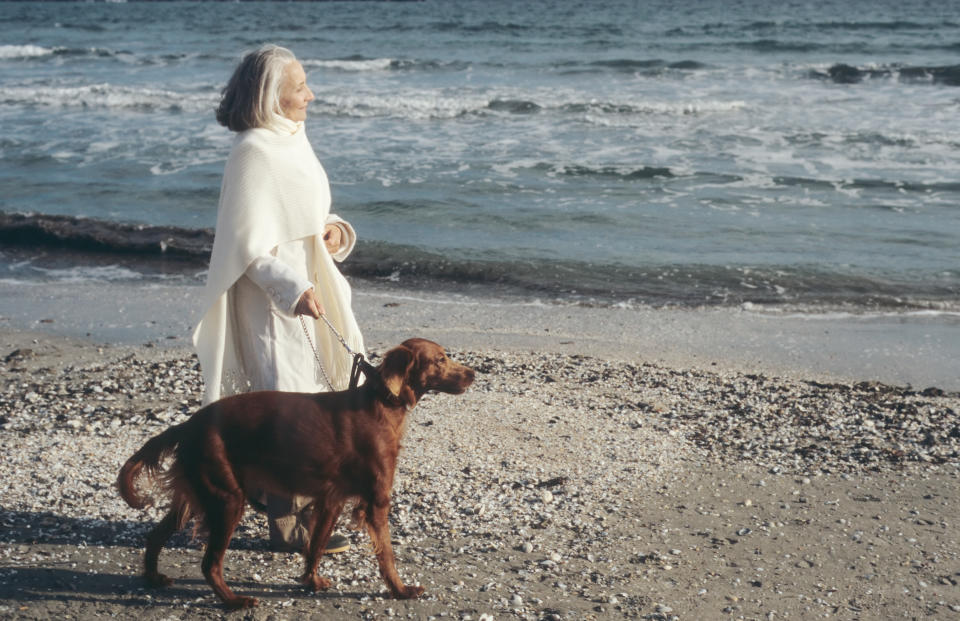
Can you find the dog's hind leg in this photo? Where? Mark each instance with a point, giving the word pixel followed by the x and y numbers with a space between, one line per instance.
pixel 323 519
pixel 379 529
pixel 172 522
pixel 221 517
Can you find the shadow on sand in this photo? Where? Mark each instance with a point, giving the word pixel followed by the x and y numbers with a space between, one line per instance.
pixel 24 527
pixel 31 573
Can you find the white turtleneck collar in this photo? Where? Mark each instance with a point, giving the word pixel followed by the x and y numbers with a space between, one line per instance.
pixel 285 127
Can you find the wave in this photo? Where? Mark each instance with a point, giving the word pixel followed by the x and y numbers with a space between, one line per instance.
pixel 159 251
pixel 487 27
pixel 355 63
pixel 658 285
pixel 883 26
pixel 807 29
pixel 87 27
pixel 777 46
pixel 611 172
pixel 841 73
pixel 893 187
pixel 15 52
pixel 359 63
pixel 39 53
pixel 413 105
pixel 681 108
pixel 426 106
pixel 107 96
pixel 76 234
pixel 8 52
pixel 891 26
pixel 646 65
pixel 514 106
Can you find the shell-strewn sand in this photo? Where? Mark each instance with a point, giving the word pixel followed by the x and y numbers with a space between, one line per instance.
pixel 561 486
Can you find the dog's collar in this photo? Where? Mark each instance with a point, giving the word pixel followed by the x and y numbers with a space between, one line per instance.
pixel 360 365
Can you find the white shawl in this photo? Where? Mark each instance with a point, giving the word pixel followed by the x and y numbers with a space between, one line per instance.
pixel 274 190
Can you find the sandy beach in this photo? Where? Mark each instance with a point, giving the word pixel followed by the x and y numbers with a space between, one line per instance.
pixel 703 257
pixel 607 463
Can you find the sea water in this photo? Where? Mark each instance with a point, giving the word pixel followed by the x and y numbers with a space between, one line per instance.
pixel 796 155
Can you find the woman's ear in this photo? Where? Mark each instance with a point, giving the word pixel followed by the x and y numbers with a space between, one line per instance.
pixel 395 372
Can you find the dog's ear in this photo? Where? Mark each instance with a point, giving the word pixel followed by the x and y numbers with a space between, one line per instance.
pixel 395 371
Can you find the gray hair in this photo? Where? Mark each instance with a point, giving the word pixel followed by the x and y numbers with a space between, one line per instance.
pixel 252 96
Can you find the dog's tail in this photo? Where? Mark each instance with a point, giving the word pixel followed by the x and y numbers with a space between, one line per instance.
pixel 150 456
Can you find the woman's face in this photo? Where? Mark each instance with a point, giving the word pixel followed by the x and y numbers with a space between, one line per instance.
pixel 294 92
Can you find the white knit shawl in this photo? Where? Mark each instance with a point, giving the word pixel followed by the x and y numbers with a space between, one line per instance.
pixel 274 190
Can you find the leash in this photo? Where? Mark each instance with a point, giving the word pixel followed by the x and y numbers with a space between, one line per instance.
pixel 360 364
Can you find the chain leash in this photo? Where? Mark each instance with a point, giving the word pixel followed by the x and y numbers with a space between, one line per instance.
pixel 337 334
pixel 316 354
pixel 359 363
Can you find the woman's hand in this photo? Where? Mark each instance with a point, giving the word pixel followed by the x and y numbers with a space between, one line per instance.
pixel 332 238
pixel 309 304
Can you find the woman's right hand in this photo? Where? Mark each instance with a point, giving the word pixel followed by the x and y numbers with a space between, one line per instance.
pixel 309 304
pixel 332 238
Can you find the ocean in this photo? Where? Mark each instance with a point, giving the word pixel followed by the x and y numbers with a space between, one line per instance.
pixel 799 156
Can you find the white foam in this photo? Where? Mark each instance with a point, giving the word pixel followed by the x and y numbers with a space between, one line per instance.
pixel 372 64
pixel 17 282
pixel 814 314
pixel 103 273
pixel 105 96
pixel 412 105
pixel 422 104
pixel 24 51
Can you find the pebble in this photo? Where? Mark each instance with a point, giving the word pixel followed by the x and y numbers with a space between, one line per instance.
pixel 870 425
pixel 476 473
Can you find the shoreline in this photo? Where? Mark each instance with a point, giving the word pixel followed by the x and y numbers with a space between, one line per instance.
pixel 916 349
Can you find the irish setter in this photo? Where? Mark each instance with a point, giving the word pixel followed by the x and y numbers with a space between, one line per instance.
pixel 333 447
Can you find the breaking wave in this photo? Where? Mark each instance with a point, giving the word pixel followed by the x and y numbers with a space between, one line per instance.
pixel 840 73
pixel 570 280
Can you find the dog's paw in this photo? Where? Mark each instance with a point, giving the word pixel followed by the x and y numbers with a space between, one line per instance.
pixel 240 602
pixel 315 582
pixel 410 592
pixel 157 580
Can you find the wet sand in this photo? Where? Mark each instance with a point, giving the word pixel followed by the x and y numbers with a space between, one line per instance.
pixel 920 350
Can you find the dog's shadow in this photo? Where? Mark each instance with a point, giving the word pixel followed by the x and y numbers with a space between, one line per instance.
pixel 26 585
pixel 25 527
pixel 25 579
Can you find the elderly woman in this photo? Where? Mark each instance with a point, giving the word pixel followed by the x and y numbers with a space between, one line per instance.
pixel 272 272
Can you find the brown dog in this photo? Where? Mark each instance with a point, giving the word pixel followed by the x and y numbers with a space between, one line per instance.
pixel 332 447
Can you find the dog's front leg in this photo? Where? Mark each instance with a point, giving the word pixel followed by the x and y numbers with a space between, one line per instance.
pixel 323 519
pixel 379 529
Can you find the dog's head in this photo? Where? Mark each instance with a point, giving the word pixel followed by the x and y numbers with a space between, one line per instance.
pixel 418 366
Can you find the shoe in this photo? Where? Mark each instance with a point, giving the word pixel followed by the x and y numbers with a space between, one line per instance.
pixel 337 543
pixel 259 504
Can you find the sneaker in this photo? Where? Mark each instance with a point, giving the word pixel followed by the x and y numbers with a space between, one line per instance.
pixel 337 543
